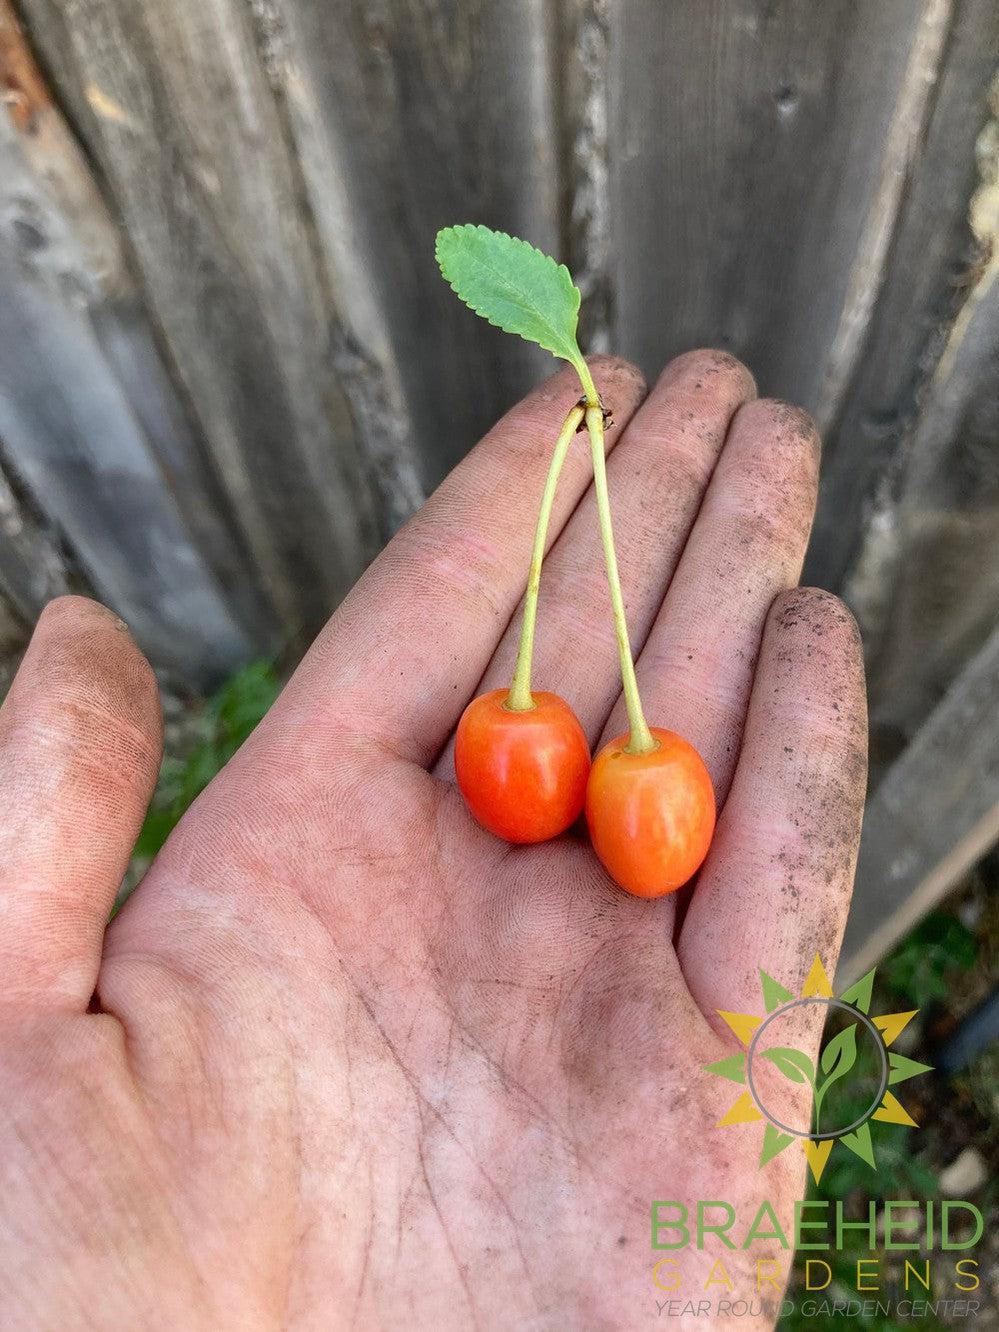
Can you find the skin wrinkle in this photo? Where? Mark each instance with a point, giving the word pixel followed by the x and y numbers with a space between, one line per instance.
pixel 504 1203
pixel 294 1119
pixel 366 1255
pixel 496 1067
pixel 534 1107
pixel 449 1243
pixel 127 1196
pixel 396 1072
pixel 799 620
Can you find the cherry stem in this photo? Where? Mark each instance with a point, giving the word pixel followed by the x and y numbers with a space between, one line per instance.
pixel 519 699
pixel 586 379
pixel 641 740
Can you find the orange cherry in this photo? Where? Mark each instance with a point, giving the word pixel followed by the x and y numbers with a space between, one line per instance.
pixel 652 815
pixel 522 773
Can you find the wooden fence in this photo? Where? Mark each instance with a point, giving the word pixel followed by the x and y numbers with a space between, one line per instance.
pixel 229 368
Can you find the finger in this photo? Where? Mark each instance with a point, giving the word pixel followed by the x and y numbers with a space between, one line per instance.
pixel 80 744
pixel 695 671
pixel 657 477
pixel 402 655
pixel 776 886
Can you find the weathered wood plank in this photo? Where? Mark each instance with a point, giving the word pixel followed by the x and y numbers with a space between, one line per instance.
pixel 939 594
pixel 407 117
pixel 68 430
pixel 583 37
pixel 921 290
pixel 71 320
pixel 747 143
pixel 174 104
pixel 934 815
pixel 32 568
pixel 13 640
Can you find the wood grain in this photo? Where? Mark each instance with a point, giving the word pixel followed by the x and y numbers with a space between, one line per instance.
pixel 32 567
pixel 746 153
pixel 70 434
pixel 924 284
pixel 72 321
pixel 932 818
pixel 174 104
pixel 941 596
pixel 410 116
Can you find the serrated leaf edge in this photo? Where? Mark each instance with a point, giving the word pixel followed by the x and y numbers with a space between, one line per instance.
pixel 577 356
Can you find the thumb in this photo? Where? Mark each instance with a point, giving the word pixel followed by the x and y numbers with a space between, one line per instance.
pixel 80 745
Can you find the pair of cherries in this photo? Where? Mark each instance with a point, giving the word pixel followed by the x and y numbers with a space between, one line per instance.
pixel 523 761
pixel 527 776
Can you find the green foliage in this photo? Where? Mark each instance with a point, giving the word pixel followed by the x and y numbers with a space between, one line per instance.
pixel 513 286
pixel 920 965
pixel 229 717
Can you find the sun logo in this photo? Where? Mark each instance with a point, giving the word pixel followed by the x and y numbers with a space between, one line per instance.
pixel 855 1058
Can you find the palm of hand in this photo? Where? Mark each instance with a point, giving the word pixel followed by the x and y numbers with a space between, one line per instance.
pixel 356 1061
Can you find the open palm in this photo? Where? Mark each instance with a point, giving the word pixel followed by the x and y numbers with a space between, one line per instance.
pixel 345 1059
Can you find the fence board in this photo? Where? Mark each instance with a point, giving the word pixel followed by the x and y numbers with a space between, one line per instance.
pixel 70 431
pixel 941 596
pixel 174 104
pixel 931 819
pixel 32 568
pixel 70 312
pixel 746 152
pixel 408 117
pixel 923 284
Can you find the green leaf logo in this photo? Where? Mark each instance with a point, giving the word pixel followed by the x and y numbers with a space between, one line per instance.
pixel 842 1059
pixel 792 1063
pixel 838 1058
pixel 513 286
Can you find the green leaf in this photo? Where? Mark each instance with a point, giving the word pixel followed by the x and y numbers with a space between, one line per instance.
pixel 514 286
pixel 838 1058
pixel 792 1063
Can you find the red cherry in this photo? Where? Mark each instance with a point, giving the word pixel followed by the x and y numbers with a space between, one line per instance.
pixel 522 773
pixel 651 816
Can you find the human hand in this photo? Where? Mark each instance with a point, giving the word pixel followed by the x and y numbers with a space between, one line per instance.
pixel 344 1059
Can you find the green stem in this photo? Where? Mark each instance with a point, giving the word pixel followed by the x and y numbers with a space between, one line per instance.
pixel 519 699
pixel 586 379
pixel 641 740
